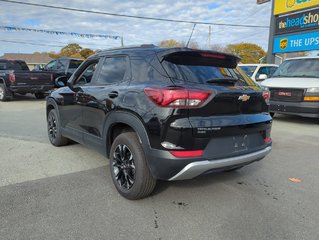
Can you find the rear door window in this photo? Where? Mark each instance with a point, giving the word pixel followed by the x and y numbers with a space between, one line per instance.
pixel 14 65
pixel 113 70
pixel 74 64
pixel 51 65
pixel 61 64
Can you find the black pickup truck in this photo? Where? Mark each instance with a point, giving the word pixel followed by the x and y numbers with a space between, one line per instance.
pixel 62 69
pixel 15 77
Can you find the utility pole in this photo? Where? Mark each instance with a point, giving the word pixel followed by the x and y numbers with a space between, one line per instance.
pixel 209 35
pixel 122 41
pixel 270 55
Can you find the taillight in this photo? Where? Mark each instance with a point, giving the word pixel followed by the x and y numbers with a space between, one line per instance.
pixel 177 97
pixel 267 140
pixel 266 96
pixel 12 77
pixel 187 153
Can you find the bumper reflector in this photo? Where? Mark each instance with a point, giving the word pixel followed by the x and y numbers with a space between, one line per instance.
pixel 186 154
pixel 267 140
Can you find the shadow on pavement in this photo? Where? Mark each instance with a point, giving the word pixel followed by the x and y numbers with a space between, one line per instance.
pixel 26 97
pixel 295 119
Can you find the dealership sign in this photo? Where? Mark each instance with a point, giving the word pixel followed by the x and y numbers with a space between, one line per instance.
pixel 285 6
pixel 297 43
pixel 302 21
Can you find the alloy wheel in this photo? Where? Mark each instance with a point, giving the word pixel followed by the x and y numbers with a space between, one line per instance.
pixel 1 93
pixel 123 167
pixel 52 128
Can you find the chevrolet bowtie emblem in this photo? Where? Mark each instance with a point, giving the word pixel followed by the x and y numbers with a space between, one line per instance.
pixel 244 98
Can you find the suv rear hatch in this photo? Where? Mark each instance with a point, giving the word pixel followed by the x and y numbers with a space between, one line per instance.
pixel 231 92
pixel 234 117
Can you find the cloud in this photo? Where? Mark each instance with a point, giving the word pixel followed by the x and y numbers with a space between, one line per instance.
pixel 134 31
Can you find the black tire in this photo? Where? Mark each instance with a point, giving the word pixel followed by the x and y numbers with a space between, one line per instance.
pixel 130 173
pixel 54 130
pixel 272 114
pixel 4 94
pixel 39 95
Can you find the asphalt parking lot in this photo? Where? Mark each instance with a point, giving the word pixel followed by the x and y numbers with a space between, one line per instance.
pixel 67 192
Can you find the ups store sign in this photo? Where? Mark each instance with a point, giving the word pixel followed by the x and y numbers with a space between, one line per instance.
pixel 302 21
pixel 296 42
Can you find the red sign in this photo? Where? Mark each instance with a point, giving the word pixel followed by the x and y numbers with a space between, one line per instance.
pixel 284 94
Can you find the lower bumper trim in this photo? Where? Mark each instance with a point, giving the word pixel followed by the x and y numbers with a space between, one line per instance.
pixel 306 109
pixel 197 168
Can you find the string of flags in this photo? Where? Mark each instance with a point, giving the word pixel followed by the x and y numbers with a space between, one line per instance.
pixel 81 35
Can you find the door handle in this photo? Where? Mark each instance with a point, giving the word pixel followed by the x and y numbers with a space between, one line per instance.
pixel 113 94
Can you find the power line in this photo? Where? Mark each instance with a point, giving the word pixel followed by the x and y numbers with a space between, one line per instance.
pixel 133 16
pixel 17 41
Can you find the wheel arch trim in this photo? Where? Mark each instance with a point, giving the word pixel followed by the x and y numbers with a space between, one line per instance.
pixel 51 102
pixel 125 118
pixel 2 81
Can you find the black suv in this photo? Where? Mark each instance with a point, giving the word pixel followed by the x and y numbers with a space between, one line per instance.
pixel 160 113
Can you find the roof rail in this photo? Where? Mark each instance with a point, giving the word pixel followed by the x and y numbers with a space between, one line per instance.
pixel 130 46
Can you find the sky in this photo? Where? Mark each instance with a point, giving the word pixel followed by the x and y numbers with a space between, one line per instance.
pixel 133 31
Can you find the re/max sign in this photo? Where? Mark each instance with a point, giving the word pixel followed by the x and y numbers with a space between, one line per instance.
pixel 298 22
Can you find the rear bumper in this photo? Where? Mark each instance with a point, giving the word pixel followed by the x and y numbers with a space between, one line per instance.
pixel 306 109
pixel 31 88
pixel 197 168
pixel 165 166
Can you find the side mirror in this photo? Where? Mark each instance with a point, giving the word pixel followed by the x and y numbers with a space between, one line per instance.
pixel 59 84
pixel 262 77
pixel 60 81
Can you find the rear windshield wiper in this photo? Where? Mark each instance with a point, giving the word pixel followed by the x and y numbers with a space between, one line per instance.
pixel 222 80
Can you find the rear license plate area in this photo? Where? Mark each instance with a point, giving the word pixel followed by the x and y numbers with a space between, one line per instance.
pixel 240 143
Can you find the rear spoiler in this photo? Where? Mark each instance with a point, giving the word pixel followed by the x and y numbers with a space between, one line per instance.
pixel 186 56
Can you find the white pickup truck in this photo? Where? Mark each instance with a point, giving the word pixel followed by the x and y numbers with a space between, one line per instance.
pixel 294 87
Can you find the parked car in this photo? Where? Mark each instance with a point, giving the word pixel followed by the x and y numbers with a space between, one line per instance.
pixel 294 87
pixel 258 72
pixel 63 68
pixel 162 113
pixel 15 77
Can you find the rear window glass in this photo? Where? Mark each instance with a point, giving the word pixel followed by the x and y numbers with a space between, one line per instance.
pixel 13 65
pixel 205 74
pixel 75 63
